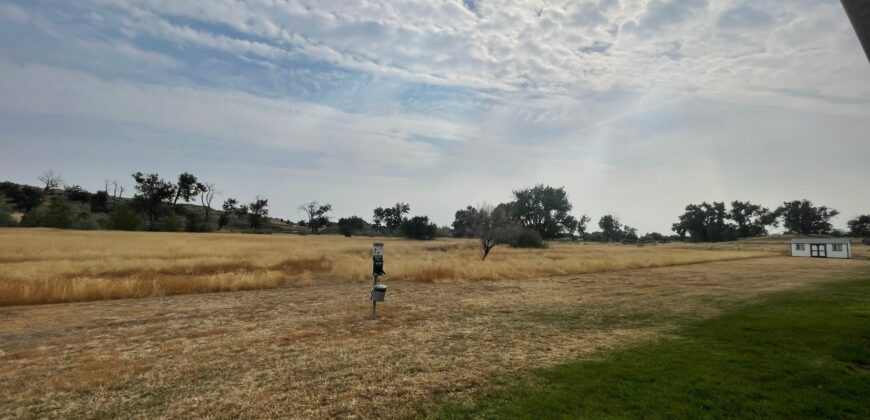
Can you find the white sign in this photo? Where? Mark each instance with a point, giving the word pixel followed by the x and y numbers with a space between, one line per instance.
pixel 378 249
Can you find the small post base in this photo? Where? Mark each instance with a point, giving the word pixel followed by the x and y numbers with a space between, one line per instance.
pixel 374 302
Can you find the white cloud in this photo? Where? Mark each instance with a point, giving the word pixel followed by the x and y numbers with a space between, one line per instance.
pixel 228 116
pixel 621 101
pixel 520 45
pixel 12 13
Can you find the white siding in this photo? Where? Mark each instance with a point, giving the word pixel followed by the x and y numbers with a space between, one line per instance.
pixel 846 251
pixel 796 253
pixel 842 254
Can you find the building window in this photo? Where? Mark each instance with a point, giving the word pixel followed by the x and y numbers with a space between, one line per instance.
pixel 838 247
pixel 799 247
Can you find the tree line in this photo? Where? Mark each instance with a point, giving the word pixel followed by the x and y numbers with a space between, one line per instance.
pixel 715 222
pixel 533 216
pixel 543 213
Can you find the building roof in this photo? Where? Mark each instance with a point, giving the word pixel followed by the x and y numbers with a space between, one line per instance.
pixel 859 14
pixel 820 241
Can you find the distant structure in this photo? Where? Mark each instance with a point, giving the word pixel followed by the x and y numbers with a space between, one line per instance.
pixel 859 14
pixel 821 248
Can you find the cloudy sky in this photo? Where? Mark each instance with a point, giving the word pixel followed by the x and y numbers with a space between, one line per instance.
pixel 637 107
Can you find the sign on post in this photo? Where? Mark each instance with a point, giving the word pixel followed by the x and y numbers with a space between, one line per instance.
pixel 379 291
pixel 378 260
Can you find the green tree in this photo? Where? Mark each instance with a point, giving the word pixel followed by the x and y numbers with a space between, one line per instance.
pixel 152 197
pixel 801 217
pixel 29 198
pixel 751 219
pixel 463 222
pixel 419 227
pixel 706 222
pixel 629 233
pixel 24 197
pixel 348 226
pixel 186 188
pixel 77 193
pixel 223 220
pixel 611 228
pixel 317 215
pixel 860 226
pixel 100 202
pixel 544 209
pixel 391 218
pixel 230 208
pixel 653 237
pixel 122 217
pixel 581 225
pixel 58 215
pixel 257 212
pixel 491 226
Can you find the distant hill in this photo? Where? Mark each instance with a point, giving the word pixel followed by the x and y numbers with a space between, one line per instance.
pixel 76 208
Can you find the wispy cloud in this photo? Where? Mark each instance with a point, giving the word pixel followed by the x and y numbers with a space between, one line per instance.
pixel 467 98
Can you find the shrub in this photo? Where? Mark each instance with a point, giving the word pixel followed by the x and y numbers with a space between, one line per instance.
pixel 350 225
pixel 860 226
pixel 331 229
pixel 444 232
pixel 77 193
pixel 419 227
pixel 653 237
pixel 87 221
pixel 528 239
pixel 33 218
pixel 866 241
pixel 596 236
pixel 100 202
pixel 194 223
pixel 172 223
pixel 57 215
pixel 121 217
pixel 223 220
pixel 5 214
pixel 24 197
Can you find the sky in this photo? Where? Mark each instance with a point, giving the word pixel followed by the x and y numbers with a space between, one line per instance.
pixel 636 107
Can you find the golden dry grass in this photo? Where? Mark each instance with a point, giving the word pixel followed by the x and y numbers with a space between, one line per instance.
pixel 312 352
pixel 48 266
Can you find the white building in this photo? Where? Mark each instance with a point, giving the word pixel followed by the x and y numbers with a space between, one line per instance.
pixel 821 248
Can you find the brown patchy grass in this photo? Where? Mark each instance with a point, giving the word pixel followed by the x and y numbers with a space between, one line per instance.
pixel 433 274
pixel 49 266
pixel 311 351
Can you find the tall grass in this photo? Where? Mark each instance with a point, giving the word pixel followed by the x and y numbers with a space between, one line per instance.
pixel 45 266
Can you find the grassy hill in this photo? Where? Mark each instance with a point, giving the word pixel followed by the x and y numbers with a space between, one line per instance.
pixel 76 208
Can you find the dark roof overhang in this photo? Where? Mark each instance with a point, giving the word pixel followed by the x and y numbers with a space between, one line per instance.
pixel 859 14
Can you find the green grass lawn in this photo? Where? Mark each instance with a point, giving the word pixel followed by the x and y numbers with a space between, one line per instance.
pixel 796 355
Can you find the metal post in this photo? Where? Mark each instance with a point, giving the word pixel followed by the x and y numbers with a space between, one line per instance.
pixel 377 271
pixel 374 302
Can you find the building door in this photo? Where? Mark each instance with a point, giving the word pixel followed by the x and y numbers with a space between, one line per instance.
pixel 818 251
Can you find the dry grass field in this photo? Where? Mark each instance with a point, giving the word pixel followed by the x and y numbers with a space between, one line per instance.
pixel 312 351
pixel 49 266
pixel 304 347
